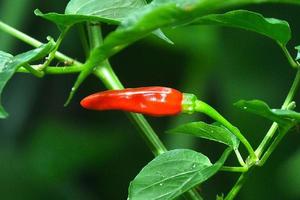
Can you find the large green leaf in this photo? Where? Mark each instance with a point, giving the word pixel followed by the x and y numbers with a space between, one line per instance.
pixel 9 65
pixel 107 11
pixel 172 173
pixel 157 14
pixel 275 29
pixel 285 118
pixel 63 20
pixel 214 132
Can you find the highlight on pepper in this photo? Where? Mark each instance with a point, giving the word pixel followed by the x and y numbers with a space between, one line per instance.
pixel 153 101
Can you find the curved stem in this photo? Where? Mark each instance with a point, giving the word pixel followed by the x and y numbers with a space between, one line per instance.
pixel 33 42
pixel 203 107
pixel 233 169
pixel 287 54
pixel 52 54
pixel 238 185
pixel 34 71
pixel 239 157
pixel 286 105
pixel 273 146
pixel 263 145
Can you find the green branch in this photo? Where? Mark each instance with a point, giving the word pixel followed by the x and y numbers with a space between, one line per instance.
pixel 53 70
pixel 291 94
pixel 234 169
pixel 288 104
pixel 33 42
pixel 57 45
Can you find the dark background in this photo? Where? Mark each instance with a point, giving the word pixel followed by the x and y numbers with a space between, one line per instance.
pixel 51 152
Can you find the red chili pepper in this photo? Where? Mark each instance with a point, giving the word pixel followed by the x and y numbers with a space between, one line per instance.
pixel 154 101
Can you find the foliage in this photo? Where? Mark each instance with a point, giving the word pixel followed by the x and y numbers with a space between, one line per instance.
pixel 176 172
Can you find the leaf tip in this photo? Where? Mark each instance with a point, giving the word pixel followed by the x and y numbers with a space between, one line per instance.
pixel 37 12
pixel 3 114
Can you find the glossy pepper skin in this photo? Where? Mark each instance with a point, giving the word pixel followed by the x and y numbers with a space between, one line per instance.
pixel 154 101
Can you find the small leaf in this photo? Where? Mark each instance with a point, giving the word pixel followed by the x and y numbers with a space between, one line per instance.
pixel 173 173
pixel 284 118
pixel 298 52
pixel 278 30
pixel 9 65
pixel 214 132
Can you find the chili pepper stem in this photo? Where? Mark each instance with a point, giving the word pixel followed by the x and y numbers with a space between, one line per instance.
pixel 203 107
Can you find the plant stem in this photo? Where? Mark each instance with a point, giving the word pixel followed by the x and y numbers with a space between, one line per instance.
pixel 203 107
pixel 238 185
pixel 83 38
pixel 234 169
pixel 192 194
pixel 54 70
pixel 111 81
pixel 261 148
pixel 34 71
pixel 273 146
pixel 33 42
pixel 95 35
pixel 263 145
pixel 287 54
pixel 239 157
pixel 57 45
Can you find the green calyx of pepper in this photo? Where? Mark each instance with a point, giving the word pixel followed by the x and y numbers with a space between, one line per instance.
pixel 189 102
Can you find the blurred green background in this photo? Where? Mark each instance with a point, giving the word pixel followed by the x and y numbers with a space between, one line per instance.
pixel 51 152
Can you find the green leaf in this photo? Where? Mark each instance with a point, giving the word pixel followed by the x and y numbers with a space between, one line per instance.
pixel 5 58
pixel 106 11
pixel 214 132
pixel 115 10
pixel 285 118
pixel 9 65
pixel 275 29
pixel 298 52
pixel 63 20
pixel 172 173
